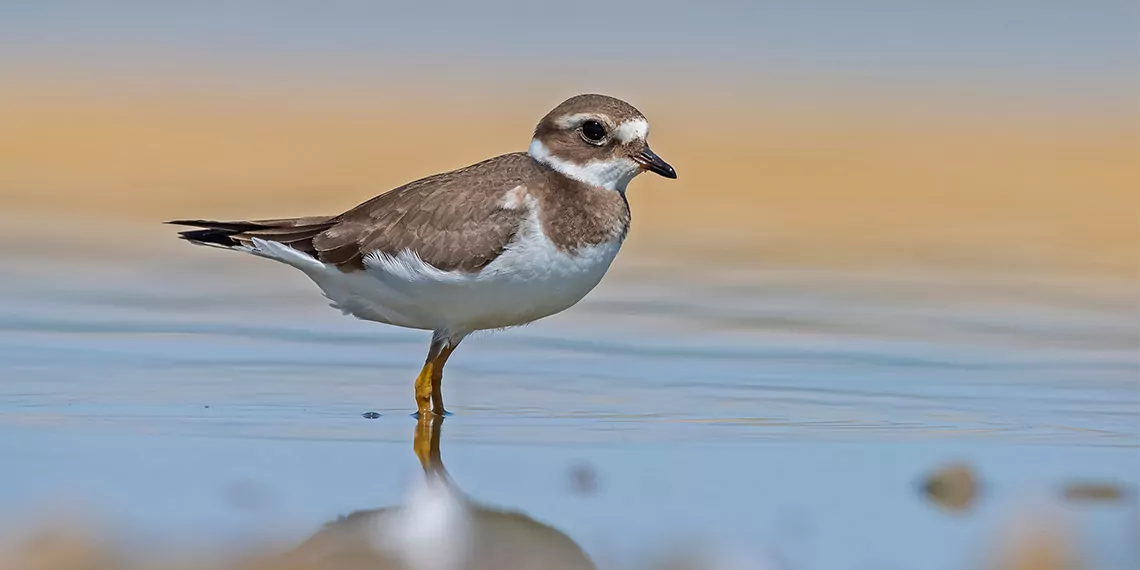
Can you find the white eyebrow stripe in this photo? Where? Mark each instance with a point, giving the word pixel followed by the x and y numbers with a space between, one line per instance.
pixel 571 121
pixel 632 130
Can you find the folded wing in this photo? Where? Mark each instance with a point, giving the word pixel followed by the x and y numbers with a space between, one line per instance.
pixel 455 221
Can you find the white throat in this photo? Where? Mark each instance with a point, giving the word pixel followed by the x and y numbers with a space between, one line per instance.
pixel 609 174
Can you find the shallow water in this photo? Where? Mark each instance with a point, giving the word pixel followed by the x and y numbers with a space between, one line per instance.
pixel 190 396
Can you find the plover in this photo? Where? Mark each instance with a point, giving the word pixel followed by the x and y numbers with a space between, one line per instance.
pixel 497 244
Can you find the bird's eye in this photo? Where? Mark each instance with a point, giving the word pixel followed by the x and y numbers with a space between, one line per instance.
pixel 593 131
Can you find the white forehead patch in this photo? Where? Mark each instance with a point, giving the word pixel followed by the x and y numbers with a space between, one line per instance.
pixel 632 130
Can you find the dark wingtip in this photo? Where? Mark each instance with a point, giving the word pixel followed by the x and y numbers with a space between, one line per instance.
pixel 214 232
pixel 215 237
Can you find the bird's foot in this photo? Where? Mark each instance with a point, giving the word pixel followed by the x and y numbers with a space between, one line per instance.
pixel 431 413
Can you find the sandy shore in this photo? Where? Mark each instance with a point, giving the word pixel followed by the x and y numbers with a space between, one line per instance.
pixel 831 182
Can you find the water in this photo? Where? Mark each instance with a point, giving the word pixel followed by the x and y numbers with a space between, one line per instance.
pixel 190 396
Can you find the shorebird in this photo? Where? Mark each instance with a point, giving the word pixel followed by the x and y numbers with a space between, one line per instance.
pixel 497 244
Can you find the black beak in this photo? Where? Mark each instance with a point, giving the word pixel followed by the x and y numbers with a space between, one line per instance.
pixel 653 163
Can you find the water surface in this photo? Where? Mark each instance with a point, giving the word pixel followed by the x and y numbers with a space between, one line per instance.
pixel 192 396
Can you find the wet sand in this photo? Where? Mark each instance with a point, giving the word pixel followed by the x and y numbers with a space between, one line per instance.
pixel 765 178
pixel 190 400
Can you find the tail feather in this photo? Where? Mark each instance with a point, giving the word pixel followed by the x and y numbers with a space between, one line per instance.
pixel 294 232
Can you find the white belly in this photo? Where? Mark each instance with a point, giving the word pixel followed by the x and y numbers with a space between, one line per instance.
pixel 532 279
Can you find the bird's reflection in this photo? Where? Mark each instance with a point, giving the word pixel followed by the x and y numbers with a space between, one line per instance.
pixel 439 528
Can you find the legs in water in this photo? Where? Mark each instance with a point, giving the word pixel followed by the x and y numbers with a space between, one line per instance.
pixel 429 391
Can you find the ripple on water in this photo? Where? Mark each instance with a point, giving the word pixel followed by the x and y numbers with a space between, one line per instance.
pixel 812 355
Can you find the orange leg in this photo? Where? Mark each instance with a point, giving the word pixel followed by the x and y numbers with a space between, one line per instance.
pixel 437 381
pixel 429 391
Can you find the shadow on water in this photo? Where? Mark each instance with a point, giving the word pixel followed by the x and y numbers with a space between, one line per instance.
pixel 439 527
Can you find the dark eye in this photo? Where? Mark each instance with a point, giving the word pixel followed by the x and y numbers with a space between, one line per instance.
pixel 593 131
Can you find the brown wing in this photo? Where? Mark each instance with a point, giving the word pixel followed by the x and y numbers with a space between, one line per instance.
pixel 453 221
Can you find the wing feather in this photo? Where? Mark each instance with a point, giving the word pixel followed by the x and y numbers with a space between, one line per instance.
pixel 453 221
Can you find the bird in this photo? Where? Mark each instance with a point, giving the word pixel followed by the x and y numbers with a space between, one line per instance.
pixel 494 245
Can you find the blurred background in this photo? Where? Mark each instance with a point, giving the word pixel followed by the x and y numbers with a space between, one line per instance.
pixel 905 242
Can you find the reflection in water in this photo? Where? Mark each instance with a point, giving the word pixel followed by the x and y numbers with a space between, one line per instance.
pixel 439 528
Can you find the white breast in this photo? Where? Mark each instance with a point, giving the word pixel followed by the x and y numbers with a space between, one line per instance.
pixel 530 280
